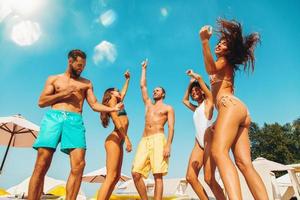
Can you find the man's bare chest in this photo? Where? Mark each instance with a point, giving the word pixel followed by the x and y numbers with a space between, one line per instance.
pixel 63 84
pixel 153 112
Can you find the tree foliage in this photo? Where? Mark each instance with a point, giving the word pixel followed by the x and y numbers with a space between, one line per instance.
pixel 279 143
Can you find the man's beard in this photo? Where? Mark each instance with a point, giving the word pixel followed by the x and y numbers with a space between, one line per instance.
pixel 157 98
pixel 75 73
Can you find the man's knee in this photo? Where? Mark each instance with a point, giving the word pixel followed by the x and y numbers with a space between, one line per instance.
pixel 41 166
pixel 43 160
pixel 158 177
pixel 136 176
pixel 78 168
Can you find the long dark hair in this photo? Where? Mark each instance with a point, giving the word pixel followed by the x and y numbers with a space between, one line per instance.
pixel 104 116
pixel 240 48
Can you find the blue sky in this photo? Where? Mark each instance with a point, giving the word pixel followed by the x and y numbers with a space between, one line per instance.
pixel 36 36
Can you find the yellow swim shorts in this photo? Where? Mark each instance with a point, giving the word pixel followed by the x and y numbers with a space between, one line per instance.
pixel 149 156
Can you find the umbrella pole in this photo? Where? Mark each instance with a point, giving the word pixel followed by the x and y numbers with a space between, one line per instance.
pixel 10 140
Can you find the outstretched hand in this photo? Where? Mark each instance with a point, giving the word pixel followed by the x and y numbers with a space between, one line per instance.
pixel 119 106
pixel 144 63
pixel 127 74
pixel 192 74
pixel 205 32
pixel 189 72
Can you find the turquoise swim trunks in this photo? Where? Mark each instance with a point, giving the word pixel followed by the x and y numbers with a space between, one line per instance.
pixel 64 127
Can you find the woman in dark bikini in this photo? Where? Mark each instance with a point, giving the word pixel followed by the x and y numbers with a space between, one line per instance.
pixel 233 120
pixel 114 142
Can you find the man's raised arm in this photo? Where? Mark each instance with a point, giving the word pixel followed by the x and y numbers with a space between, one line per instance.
pixel 145 96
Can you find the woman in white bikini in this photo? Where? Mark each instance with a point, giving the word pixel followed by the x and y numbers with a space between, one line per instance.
pixel 232 124
pixel 200 156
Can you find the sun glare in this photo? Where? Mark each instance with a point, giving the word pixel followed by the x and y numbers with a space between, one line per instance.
pixel 25 33
pixel 25 7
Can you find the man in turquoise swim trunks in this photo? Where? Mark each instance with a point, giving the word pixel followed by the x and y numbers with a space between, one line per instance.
pixel 65 93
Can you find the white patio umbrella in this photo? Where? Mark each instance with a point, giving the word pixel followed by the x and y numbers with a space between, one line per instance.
pixel 16 131
pixel 98 176
pixel 22 188
pixel 49 185
pixel 270 165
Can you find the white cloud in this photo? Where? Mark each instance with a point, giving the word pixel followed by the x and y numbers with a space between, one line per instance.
pixel 105 51
pixel 26 33
pixel 108 18
pixel 164 12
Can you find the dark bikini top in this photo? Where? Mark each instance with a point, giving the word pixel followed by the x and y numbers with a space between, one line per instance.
pixel 122 112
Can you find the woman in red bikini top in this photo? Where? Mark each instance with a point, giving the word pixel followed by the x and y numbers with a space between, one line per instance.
pixel 232 124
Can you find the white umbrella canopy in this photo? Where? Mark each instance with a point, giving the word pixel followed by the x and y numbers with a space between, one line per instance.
pixel 270 165
pixel 98 176
pixel 49 184
pixel 16 131
pixel 22 188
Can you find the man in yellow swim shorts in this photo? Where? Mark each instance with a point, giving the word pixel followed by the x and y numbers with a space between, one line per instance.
pixel 154 149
